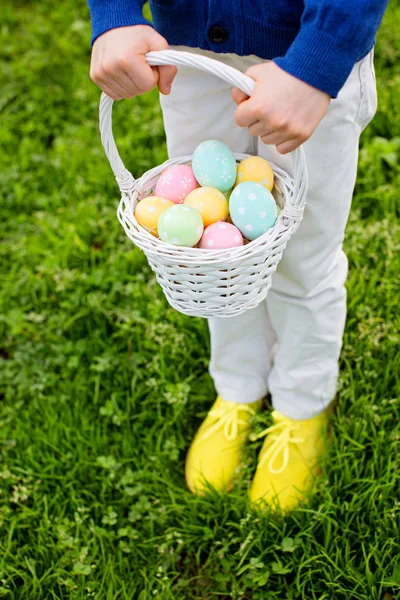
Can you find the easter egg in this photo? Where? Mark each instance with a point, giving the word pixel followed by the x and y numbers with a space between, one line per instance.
pixel 214 165
pixel 180 225
pixel 211 204
pixel 253 209
pixel 221 235
pixel 175 183
pixel 257 169
pixel 149 210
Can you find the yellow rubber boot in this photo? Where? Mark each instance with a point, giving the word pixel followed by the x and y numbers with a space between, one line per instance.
pixel 288 462
pixel 218 446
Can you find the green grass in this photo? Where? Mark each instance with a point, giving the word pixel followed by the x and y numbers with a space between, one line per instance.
pixel 103 384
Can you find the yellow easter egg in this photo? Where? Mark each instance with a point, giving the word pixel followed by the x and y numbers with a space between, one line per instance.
pixel 149 210
pixel 255 169
pixel 210 202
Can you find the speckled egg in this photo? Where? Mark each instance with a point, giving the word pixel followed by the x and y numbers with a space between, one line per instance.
pixel 257 169
pixel 149 210
pixel 214 165
pixel 180 225
pixel 221 235
pixel 211 204
pixel 176 183
pixel 253 209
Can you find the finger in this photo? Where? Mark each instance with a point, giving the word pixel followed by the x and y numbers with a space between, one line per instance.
pixel 258 129
pixel 107 89
pixel 245 114
pixel 289 146
pixel 143 77
pixel 238 96
pixel 119 87
pixel 166 75
pixel 125 82
pixel 275 138
pixel 117 79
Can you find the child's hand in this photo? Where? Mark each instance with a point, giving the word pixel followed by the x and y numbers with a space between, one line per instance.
pixel 283 111
pixel 119 67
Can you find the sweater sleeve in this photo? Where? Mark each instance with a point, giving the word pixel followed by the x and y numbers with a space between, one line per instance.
pixel 109 14
pixel 333 36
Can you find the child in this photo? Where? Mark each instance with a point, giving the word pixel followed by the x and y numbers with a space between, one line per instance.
pixel 312 62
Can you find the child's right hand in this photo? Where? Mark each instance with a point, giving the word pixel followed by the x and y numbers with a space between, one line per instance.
pixel 118 65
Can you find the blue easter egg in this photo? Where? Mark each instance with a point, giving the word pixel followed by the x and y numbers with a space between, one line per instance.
pixel 214 165
pixel 253 209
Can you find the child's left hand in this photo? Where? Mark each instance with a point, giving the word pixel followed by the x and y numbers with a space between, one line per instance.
pixel 283 110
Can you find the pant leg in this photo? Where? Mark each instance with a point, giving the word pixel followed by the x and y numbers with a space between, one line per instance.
pixel 307 301
pixel 200 107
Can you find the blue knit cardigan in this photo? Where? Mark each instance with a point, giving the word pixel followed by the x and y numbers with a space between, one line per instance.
pixel 317 41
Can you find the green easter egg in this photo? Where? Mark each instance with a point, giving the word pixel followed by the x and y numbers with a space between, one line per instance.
pixel 180 225
pixel 214 165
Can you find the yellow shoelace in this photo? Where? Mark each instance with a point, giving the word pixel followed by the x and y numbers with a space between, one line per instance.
pixel 227 417
pixel 281 435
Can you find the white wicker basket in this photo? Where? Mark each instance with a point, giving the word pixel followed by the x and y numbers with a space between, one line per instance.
pixel 207 283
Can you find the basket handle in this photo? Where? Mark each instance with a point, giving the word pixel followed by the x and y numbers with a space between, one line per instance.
pixel 229 74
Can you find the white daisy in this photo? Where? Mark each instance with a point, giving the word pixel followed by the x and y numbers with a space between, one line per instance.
pixel 226 175
pixel 209 145
pixel 222 158
pixel 186 181
pixel 167 179
pixel 204 178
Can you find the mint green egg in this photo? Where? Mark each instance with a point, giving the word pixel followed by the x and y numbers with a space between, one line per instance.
pixel 214 165
pixel 180 225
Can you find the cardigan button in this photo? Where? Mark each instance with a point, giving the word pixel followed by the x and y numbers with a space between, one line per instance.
pixel 217 34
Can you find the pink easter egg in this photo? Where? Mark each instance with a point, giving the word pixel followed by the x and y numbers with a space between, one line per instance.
pixel 221 235
pixel 176 183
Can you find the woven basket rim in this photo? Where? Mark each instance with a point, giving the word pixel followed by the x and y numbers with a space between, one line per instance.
pixel 179 253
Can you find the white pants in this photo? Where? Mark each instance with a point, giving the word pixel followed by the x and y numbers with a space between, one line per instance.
pixel 303 317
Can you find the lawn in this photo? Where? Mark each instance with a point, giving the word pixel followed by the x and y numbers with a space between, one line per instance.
pixel 103 384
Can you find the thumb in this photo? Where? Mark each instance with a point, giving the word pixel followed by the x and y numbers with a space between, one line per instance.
pixel 238 96
pixel 165 79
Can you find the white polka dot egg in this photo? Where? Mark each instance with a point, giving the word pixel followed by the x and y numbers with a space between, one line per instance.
pixel 180 225
pixel 253 209
pixel 221 235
